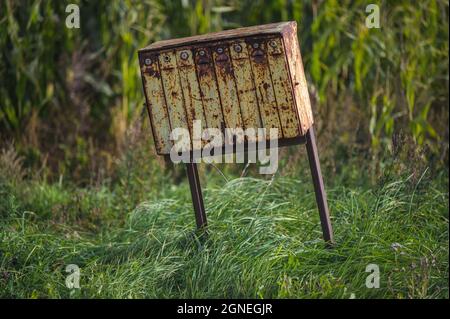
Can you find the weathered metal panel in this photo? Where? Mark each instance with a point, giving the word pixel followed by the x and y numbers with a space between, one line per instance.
pixel 263 83
pixel 208 88
pixel 298 79
pixel 259 85
pixel 283 88
pixel 245 86
pixel 156 104
pixel 191 90
pixel 173 93
pixel 227 90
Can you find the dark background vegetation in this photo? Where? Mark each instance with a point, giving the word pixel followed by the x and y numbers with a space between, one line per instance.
pixel 70 96
pixel 80 181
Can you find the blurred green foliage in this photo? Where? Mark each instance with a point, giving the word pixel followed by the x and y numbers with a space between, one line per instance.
pixel 68 97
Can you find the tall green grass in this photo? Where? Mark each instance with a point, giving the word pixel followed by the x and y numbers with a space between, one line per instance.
pixel 264 241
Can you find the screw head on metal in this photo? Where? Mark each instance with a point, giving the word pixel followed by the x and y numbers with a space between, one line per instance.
pixel 184 55
pixel 201 52
pixel 166 58
pixel 255 45
pixel 237 48
pixel 273 44
pixel 148 61
pixel 220 50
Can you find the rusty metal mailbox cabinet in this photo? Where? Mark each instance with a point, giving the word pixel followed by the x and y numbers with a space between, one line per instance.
pixel 244 78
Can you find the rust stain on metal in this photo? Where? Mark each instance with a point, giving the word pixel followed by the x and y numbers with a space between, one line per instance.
pixel 246 87
pixel 227 90
pixel 298 79
pixel 283 88
pixel 191 91
pixel 263 84
pixel 208 88
pixel 156 104
pixel 173 93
